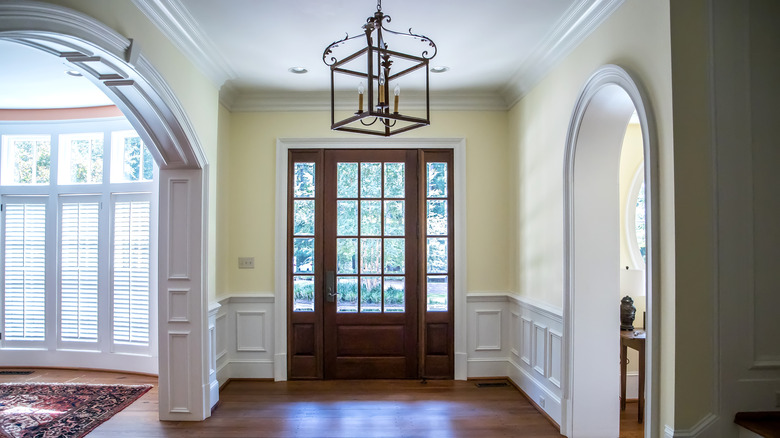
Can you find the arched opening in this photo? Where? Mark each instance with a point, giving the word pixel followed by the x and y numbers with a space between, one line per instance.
pixel 592 258
pixel 118 69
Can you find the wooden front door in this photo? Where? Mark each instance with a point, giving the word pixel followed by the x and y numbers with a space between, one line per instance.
pixel 370 257
pixel 365 303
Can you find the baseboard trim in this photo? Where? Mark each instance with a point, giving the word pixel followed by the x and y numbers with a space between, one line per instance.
pixel 244 379
pixel 708 420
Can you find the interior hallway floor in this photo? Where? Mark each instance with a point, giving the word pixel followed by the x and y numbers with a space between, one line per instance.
pixel 377 408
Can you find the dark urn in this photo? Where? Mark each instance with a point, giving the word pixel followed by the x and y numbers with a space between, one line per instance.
pixel 627 313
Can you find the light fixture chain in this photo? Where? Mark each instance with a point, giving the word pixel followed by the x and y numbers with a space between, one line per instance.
pixel 379 5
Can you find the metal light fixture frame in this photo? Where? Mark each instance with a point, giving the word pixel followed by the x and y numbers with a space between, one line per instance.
pixel 379 61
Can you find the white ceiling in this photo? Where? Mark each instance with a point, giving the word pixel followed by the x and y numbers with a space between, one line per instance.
pixel 496 49
pixel 483 42
pixel 30 78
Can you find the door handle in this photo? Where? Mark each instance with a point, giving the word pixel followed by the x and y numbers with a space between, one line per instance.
pixel 330 286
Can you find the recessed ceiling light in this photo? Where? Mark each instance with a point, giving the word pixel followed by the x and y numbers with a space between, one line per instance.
pixel 73 73
pixel 298 70
pixel 439 69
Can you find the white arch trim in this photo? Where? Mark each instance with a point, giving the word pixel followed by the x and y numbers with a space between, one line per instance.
pixel 117 67
pixel 604 104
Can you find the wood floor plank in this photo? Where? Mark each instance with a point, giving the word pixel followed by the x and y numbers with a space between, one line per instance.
pixel 325 409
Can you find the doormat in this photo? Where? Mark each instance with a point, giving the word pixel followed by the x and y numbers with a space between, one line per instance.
pixel 61 409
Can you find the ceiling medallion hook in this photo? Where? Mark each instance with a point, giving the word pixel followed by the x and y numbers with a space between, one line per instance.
pixel 384 70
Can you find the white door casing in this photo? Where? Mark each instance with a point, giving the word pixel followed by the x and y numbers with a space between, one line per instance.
pixel 283 145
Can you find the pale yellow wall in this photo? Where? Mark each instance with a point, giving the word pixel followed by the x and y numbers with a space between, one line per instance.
pixel 636 37
pixel 197 95
pixel 695 369
pixel 253 184
pixel 222 202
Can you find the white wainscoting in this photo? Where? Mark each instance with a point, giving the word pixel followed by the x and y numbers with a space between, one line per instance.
pixel 507 336
pixel 520 339
pixel 244 337
pixel 212 351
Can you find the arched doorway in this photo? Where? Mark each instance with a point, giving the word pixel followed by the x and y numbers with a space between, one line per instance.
pixel 591 254
pixel 116 67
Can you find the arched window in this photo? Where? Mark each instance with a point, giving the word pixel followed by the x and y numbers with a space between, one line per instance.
pixel 635 219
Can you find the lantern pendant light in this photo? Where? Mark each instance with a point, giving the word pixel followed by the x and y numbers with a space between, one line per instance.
pixel 380 68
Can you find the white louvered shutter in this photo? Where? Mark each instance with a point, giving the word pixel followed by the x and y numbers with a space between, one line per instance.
pixel 79 271
pixel 24 237
pixel 131 272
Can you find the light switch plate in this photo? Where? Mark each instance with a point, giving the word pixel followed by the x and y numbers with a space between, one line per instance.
pixel 246 263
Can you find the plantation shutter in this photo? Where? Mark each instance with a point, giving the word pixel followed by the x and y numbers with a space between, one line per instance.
pixel 24 237
pixel 79 271
pixel 131 271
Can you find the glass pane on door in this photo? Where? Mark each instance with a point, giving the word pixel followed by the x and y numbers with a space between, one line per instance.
pixel 437 260
pixel 371 248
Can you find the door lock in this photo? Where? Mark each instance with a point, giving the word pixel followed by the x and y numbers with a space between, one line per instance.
pixel 330 287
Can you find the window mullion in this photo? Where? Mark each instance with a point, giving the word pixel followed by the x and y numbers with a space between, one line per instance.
pixel 104 270
pixel 52 262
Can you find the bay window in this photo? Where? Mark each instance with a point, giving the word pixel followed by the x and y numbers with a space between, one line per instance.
pixel 78 242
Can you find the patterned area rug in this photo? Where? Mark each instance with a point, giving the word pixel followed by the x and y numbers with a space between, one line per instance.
pixel 43 410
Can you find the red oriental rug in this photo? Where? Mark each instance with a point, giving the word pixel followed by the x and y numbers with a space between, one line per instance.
pixel 44 410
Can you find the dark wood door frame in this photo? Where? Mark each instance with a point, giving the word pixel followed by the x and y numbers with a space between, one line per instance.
pixel 431 332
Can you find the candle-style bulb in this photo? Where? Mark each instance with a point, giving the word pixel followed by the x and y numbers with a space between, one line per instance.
pixel 361 89
pixel 381 90
pixel 396 92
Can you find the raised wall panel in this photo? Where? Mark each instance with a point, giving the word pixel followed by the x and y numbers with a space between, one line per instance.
pixel 540 349
pixel 178 229
pixel 250 331
pixel 488 326
pixel 526 343
pixel 183 331
pixel 554 357
pixel 178 305
pixel 221 327
pixel 212 351
pixel 178 381
pixel 515 339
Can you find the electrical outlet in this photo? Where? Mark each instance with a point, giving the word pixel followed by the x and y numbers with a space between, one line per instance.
pixel 541 401
pixel 246 263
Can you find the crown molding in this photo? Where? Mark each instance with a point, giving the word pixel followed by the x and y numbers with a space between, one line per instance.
pixel 577 23
pixel 248 101
pixel 173 19
pixel 176 23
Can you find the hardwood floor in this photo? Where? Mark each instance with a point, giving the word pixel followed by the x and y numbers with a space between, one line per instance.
pixel 376 408
pixel 630 427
